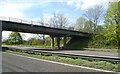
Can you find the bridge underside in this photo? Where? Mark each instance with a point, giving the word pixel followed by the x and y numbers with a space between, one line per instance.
pixel 36 29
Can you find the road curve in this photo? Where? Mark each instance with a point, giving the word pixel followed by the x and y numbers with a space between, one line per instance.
pixel 14 63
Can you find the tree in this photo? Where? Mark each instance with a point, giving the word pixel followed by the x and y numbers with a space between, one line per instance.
pixel 94 14
pixel 15 38
pixel 34 41
pixel 85 25
pixel 58 21
pixel 112 15
pixel 43 38
pixel 42 21
pixel 88 26
pixel 80 23
pixel 112 22
pixel 110 35
pixel 99 29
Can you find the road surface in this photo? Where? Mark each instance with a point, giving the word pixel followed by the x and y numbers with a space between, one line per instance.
pixel 73 52
pixel 14 63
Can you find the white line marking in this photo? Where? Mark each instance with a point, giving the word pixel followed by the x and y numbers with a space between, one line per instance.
pixel 62 63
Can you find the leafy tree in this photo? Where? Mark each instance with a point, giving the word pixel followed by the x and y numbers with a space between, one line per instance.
pixel 80 23
pixel 34 41
pixel 88 26
pixel 112 16
pixel 112 22
pixel 99 29
pixel 85 25
pixel 110 35
pixel 43 38
pixel 15 38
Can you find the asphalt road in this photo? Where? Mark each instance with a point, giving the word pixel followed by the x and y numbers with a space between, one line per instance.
pixel 14 63
pixel 74 52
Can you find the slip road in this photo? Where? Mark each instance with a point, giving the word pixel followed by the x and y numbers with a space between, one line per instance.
pixel 15 63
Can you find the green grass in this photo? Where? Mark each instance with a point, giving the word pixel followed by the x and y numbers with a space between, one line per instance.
pixel 74 61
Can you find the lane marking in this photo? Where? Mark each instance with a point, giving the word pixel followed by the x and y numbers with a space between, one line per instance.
pixel 62 63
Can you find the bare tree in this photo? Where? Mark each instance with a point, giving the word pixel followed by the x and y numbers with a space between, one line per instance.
pixel 94 14
pixel 58 21
pixel 62 21
pixel 42 21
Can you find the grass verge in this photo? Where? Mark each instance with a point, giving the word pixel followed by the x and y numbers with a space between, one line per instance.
pixel 74 61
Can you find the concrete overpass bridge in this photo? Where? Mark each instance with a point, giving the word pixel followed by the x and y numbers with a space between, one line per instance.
pixel 18 25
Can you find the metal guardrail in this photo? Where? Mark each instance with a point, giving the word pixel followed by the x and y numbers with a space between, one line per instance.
pixel 66 54
pixel 23 21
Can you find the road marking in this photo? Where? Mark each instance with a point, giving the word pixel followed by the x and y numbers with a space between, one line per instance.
pixel 62 63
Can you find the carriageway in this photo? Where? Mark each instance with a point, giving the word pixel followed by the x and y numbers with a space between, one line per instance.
pixel 18 25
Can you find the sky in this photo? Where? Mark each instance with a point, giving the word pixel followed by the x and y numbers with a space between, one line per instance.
pixel 36 9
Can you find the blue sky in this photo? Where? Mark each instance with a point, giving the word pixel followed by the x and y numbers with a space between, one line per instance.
pixel 35 9
pixel 47 9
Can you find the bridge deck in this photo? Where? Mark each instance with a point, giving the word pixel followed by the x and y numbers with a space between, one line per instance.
pixel 38 29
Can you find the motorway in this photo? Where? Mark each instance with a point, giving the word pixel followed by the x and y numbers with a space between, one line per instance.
pixel 73 52
pixel 15 63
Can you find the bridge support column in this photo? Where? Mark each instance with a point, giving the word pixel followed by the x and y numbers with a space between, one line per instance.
pixel 58 42
pixel 52 42
pixel 64 44
pixel 0 35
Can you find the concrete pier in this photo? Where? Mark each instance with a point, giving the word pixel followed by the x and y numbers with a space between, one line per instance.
pixel 52 42
pixel 64 42
pixel 58 42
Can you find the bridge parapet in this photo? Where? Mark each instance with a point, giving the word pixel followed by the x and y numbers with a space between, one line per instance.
pixel 2 18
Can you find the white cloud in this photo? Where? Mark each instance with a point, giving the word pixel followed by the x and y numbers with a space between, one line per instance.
pixel 84 4
pixel 70 2
pixel 91 3
pixel 16 10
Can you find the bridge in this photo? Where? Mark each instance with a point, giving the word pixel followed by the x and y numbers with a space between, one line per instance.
pixel 18 25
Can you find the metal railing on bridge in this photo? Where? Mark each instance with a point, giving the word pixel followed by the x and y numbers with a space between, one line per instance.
pixel 24 21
